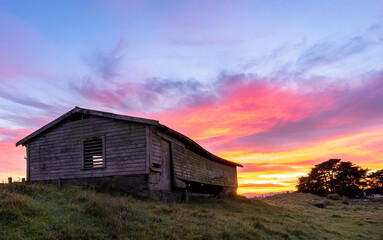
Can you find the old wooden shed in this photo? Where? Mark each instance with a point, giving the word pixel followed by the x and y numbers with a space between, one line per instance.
pixel 88 147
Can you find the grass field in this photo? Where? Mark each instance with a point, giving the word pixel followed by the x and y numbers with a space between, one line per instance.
pixel 47 212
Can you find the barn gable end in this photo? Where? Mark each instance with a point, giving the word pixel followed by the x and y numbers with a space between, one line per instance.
pixel 58 152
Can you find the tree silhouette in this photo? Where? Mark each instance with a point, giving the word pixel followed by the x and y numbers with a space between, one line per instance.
pixel 334 176
pixel 375 183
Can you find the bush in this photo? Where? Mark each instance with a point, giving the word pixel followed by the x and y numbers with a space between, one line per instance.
pixel 333 196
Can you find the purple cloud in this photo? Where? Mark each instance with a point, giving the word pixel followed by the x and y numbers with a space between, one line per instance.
pixel 352 109
pixel 107 65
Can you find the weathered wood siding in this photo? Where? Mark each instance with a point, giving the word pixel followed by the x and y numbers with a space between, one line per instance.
pixel 190 166
pixel 196 168
pixel 154 179
pixel 156 147
pixel 57 153
pixel 129 183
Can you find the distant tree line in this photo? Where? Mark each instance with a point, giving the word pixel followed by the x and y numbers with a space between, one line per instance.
pixel 344 178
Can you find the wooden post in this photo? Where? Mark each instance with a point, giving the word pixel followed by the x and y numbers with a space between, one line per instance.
pixel 27 159
pixel 59 182
pixel 10 180
pixel 23 180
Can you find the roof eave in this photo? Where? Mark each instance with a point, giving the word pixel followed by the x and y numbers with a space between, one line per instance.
pixel 25 140
pixel 190 143
pixel 47 126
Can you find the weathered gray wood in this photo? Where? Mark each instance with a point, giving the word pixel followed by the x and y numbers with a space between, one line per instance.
pixel 165 166
pixel 199 169
pixel 163 156
pixel 190 166
pixel 28 162
pixel 156 147
pixel 58 152
pixel 179 183
pixel 148 144
pixel 131 183
pixel 86 111
pixel 170 139
pixel 190 144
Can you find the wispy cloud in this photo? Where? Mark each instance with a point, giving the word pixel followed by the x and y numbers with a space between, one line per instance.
pixel 179 94
pixel 28 101
pixel 331 51
pixel 105 86
pixel 107 64
pixel 326 53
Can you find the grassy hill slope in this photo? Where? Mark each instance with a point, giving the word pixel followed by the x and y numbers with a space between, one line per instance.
pixel 47 212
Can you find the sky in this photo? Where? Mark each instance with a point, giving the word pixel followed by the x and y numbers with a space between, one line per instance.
pixel 277 86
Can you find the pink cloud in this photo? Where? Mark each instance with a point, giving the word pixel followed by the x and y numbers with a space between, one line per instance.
pixel 244 111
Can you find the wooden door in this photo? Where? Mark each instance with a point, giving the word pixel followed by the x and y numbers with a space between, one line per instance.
pixel 165 166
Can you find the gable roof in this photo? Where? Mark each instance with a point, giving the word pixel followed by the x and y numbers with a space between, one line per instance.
pixel 85 111
pixel 185 140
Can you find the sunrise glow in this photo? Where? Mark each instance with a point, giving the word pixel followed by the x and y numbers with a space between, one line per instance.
pixel 277 93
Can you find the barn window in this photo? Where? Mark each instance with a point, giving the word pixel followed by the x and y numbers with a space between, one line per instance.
pixel 94 153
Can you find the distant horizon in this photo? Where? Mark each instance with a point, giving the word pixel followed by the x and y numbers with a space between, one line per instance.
pixel 275 86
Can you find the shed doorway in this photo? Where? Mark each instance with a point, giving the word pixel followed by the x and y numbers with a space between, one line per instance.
pixel 165 166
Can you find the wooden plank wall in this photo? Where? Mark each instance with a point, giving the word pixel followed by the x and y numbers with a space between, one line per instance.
pixel 58 152
pixel 196 168
pixel 156 147
pixel 189 165
pixel 154 179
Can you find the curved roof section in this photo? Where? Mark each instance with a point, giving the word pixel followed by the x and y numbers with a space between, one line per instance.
pixel 189 143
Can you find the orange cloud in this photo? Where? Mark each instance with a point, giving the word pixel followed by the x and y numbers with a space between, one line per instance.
pixel 283 168
pixel 279 132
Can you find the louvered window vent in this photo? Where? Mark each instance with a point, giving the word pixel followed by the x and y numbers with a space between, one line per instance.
pixel 94 155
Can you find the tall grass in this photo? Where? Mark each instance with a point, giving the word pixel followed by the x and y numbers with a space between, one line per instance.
pixel 46 212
